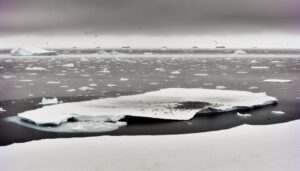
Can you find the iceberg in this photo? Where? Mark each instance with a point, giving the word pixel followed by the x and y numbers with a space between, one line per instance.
pixel 240 52
pixel 46 101
pixel 169 104
pixel 31 51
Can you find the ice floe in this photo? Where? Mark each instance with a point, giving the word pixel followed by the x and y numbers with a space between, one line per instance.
pixel 35 69
pixel 278 112
pixel 85 88
pixel 278 81
pixel 171 104
pixel 260 67
pixel 68 65
pixel 243 115
pixel 46 101
pixel 240 52
pixel 2 110
pixel 32 51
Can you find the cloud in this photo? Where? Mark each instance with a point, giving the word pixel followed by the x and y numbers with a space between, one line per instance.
pixel 157 17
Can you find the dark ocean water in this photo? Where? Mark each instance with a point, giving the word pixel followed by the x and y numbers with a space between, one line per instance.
pixel 22 89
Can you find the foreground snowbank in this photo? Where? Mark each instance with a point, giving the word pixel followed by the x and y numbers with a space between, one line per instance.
pixel 173 104
pixel 247 148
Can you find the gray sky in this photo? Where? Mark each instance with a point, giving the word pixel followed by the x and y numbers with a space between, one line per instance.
pixel 148 17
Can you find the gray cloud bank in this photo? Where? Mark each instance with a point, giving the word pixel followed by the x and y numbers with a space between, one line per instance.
pixel 148 16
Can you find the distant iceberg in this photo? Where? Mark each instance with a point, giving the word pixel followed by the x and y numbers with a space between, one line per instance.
pixel 240 52
pixel 31 51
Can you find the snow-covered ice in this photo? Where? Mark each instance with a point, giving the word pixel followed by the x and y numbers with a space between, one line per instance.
pixel 31 51
pixel 260 148
pixel 35 69
pixel 278 81
pixel 2 110
pixel 171 104
pixel 46 101
pixel 278 112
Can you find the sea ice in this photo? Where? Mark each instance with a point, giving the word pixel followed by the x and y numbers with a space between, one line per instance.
pixel 243 115
pixel 46 101
pixel 260 67
pixel 85 88
pixel 2 110
pixel 278 81
pixel 35 69
pixel 31 51
pixel 278 112
pixel 171 104
pixel 69 65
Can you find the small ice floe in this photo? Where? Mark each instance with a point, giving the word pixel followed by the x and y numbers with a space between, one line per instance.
pixel 111 85
pixel 2 110
pixel 175 72
pixel 148 53
pixel 240 52
pixel 71 90
pixel 220 87
pixel 170 104
pixel 252 88
pixel 35 69
pixel 64 86
pixel 200 74
pixel 26 80
pixel 243 115
pixel 53 82
pixel 260 67
pixel 93 85
pixel 124 79
pixel 208 84
pixel 275 62
pixel 242 72
pixel 8 76
pixel 278 112
pixel 278 81
pixel 160 69
pixel 69 65
pixel 85 88
pixel 46 101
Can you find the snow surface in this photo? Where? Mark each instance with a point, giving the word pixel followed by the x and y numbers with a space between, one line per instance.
pixel 247 148
pixel 278 81
pixel 162 104
pixel 31 51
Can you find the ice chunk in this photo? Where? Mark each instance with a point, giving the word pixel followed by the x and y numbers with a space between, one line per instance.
pixel 244 116
pixel 69 65
pixel 278 112
pixel 124 79
pixel 260 67
pixel 85 88
pixel 32 51
pixel 172 104
pixel 35 69
pixel 2 110
pixel 278 81
pixel 240 52
pixel 8 76
pixel 46 101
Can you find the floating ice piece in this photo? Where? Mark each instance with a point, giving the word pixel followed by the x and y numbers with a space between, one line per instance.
pixel 46 101
pixel 175 72
pixel 35 69
pixel 69 65
pixel 2 110
pixel 171 104
pixel 240 52
pixel 124 79
pixel 243 115
pixel 260 67
pixel 71 90
pixel 201 74
pixel 148 53
pixel 8 76
pixel 31 51
pixel 278 81
pixel 53 82
pixel 220 87
pixel 85 88
pixel 26 80
pixel 278 112
pixel 252 88
pixel 111 85
pixel 102 52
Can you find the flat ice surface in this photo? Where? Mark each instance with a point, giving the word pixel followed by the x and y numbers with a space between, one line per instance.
pixel 172 104
pixel 277 81
pixel 247 148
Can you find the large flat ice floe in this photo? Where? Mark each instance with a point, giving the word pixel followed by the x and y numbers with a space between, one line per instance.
pixel 248 148
pixel 171 104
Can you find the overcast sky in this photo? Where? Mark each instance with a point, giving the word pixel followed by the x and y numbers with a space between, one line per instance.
pixel 147 18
